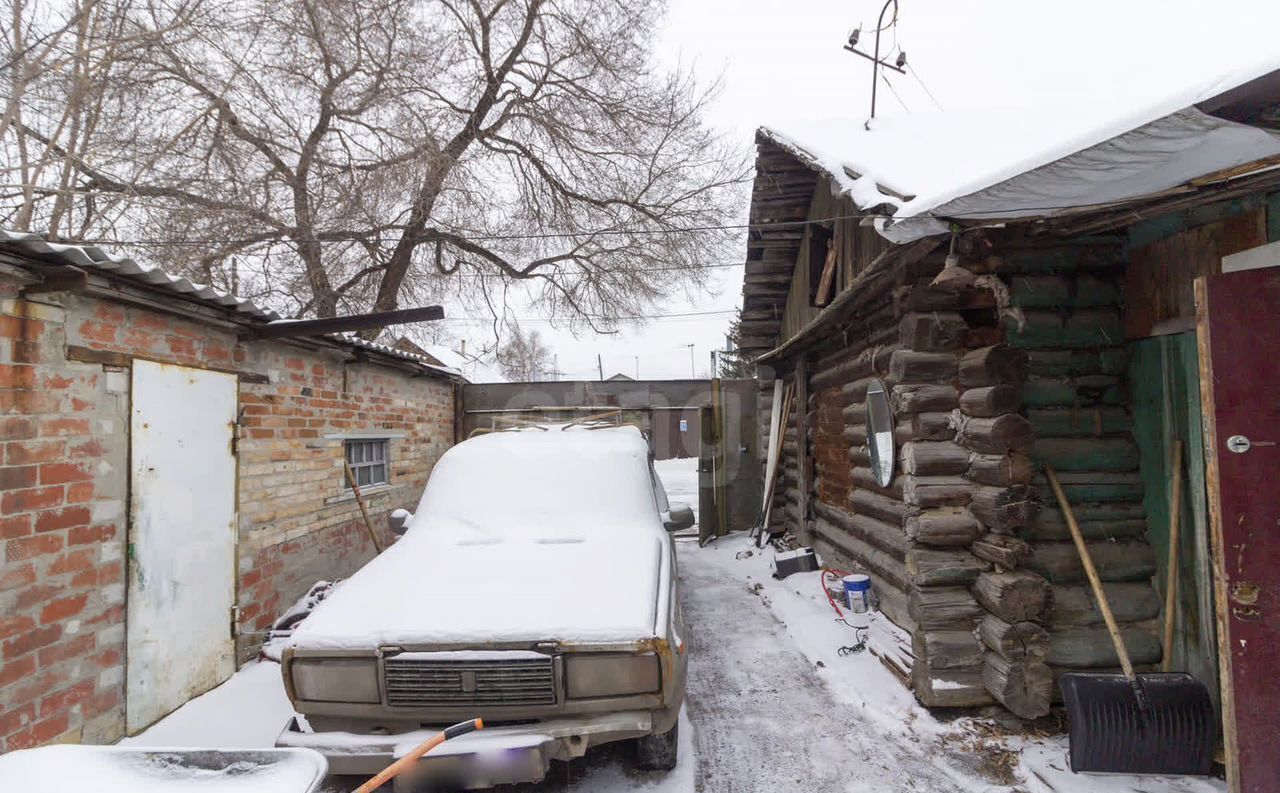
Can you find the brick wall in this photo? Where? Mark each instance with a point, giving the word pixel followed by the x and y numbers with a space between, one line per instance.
pixel 298 521
pixel 64 484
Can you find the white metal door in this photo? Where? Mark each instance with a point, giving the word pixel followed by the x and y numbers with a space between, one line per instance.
pixel 182 540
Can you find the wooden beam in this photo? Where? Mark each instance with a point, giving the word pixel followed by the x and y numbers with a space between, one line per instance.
pixel 58 279
pixel 322 327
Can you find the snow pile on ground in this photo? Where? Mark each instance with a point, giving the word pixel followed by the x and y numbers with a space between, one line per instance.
pixel 77 769
pixel 974 753
pixel 247 711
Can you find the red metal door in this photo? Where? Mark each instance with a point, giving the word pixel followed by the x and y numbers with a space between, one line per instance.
pixel 1239 335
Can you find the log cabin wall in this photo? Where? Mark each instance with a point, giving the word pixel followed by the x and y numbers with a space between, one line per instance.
pixel 966 547
pixel 1064 313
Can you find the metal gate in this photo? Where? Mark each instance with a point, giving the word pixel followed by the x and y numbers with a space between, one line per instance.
pixel 182 538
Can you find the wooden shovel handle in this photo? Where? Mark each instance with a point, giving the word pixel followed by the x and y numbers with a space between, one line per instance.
pixel 1092 573
pixel 1171 568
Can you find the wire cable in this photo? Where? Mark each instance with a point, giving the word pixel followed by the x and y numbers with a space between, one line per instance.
pixel 911 70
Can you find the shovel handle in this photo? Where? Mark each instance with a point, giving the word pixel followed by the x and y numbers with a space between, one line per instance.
pixel 415 754
pixel 1086 560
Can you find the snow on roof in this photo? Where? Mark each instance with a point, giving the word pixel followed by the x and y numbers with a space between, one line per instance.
pixel 95 259
pixel 921 164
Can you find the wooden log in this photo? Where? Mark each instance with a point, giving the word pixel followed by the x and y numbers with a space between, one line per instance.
pixel 1079 422
pixel 1075 605
pixel 931 426
pixel 920 398
pixel 1092 647
pixel 880 565
pixel 1098 520
pixel 933 458
pixel 990 401
pixel 854 412
pixel 1014 596
pixel 1087 454
pixel 994 365
pixel 947 527
pixel 1014 641
pixel 949 688
pixel 876 505
pixel 1083 328
pixel 943 567
pixel 1116 561
pixel 1000 435
pixel 887 537
pixel 1104 360
pixel 869 362
pixel 910 366
pixel 1003 509
pixel 947 649
pixel 864 479
pixel 1024 687
pixel 1054 291
pixel 1073 392
pixel 1087 486
pixel 854 434
pixel 1003 550
pixel 855 392
pixel 934 331
pixel 943 608
pixel 936 491
pixel 1001 470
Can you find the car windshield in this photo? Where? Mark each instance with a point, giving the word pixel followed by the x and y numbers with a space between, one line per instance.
pixel 543 484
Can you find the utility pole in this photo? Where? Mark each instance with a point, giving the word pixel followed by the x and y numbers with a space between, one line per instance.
pixel 600 366
pixel 692 374
pixel 876 63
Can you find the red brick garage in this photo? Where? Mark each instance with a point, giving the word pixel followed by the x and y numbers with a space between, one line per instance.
pixel 70 362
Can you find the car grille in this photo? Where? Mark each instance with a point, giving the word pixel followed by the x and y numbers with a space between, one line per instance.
pixel 420 682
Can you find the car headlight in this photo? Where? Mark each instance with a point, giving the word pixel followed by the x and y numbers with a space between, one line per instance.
pixel 335 679
pixel 590 675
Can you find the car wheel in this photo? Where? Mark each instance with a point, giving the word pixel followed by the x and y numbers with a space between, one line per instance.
pixel 658 752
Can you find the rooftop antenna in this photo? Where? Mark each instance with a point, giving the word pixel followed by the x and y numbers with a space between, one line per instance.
pixel 876 63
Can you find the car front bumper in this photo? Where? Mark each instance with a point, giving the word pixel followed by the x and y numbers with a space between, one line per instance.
pixel 508 754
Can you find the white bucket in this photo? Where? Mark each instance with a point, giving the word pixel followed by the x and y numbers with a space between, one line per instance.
pixel 857 592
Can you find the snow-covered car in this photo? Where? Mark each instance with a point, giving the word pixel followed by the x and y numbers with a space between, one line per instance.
pixel 535 587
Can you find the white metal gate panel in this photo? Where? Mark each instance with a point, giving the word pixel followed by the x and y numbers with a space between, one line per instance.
pixel 182 538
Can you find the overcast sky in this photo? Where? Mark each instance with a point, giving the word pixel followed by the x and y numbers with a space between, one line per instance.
pixel 783 60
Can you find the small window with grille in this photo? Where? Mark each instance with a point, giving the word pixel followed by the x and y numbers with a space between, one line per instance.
pixel 368 459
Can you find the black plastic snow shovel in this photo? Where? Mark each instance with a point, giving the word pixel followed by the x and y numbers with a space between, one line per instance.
pixel 1152 723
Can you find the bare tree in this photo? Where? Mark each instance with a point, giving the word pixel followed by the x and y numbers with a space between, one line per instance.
pixel 357 153
pixel 524 357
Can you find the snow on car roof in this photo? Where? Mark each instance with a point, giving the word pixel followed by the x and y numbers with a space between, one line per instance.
pixel 547 534
pixel 555 480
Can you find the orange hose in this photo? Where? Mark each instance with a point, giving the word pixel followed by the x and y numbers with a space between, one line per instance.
pixel 823 581
pixel 395 769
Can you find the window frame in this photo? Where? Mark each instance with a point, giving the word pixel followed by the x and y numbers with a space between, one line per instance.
pixel 380 446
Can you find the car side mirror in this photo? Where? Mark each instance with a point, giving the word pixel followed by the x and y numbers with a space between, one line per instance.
pixel 399 521
pixel 678 517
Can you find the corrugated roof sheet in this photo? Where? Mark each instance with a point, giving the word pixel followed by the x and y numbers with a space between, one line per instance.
pixel 94 259
pixel 91 257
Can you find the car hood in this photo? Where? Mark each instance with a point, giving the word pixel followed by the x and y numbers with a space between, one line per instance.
pixel 430 590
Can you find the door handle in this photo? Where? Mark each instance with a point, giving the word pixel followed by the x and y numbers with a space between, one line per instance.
pixel 1241 444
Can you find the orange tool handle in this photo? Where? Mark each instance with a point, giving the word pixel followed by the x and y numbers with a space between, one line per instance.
pixel 390 772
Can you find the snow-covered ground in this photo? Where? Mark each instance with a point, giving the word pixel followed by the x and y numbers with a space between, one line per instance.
pixel 772 704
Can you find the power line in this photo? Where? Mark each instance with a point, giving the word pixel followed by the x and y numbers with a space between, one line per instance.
pixel 903 104
pixel 920 80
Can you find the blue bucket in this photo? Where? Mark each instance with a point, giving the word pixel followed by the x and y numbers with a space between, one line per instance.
pixel 857 592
